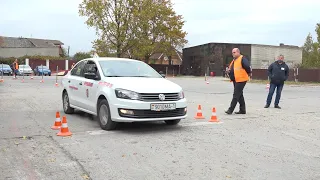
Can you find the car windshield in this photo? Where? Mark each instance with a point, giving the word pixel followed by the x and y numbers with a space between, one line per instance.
pixel 44 67
pixel 24 66
pixel 120 68
pixel 4 66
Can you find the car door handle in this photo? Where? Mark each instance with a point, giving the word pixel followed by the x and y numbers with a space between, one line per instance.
pixel 80 83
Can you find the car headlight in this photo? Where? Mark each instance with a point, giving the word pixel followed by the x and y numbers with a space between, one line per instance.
pixel 181 95
pixel 126 94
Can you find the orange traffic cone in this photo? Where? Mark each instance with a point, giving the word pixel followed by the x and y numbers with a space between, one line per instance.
pixel 1 80
pixel 268 86
pixel 199 113
pixel 64 130
pixel 214 116
pixel 41 81
pixel 31 76
pixel 57 122
pixel 57 85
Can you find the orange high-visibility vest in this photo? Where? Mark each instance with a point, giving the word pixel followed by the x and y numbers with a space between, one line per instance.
pixel 17 65
pixel 240 74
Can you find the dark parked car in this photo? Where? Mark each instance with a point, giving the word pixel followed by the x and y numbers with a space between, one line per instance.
pixel 5 69
pixel 42 70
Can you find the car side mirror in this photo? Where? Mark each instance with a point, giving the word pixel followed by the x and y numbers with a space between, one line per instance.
pixel 90 75
pixel 163 75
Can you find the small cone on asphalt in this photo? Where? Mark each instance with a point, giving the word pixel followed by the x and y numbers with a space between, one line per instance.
pixel 22 80
pixel 64 130
pixel 41 81
pixel 1 80
pixel 56 84
pixel 207 82
pixel 214 116
pixel 199 113
pixel 57 122
pixel 268 86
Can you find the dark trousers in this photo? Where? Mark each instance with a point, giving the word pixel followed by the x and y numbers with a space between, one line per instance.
pixel 238 97
pixel 271 91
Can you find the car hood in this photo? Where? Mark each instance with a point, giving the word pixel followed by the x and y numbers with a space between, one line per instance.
pixel 25 69
pixel 6 69
pixel 144 85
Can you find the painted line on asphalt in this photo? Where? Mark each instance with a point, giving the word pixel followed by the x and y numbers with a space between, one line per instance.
pixel 201 123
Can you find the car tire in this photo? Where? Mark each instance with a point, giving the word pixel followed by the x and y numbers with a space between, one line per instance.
pixel 172 122
pixel 66 104
pixel 104 116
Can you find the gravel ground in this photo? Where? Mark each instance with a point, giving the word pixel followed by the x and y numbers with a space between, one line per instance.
pixel 263 144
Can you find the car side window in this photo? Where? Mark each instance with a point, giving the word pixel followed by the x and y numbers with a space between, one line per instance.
pixel 91 67
pixel 76 71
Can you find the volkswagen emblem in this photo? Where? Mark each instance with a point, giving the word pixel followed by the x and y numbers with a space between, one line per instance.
pixel 162 97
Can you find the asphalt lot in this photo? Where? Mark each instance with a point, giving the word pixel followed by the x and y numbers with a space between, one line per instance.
pixel 263 144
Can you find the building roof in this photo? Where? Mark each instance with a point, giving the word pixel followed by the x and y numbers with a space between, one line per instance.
pixel 280 45
pixel 21 42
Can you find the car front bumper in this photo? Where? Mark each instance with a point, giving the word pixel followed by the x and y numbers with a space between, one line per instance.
pixel 142 111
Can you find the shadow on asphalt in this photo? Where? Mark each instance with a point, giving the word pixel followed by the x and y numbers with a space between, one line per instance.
pixel 135 127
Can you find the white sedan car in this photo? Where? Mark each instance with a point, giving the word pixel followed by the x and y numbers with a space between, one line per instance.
pixel 122 90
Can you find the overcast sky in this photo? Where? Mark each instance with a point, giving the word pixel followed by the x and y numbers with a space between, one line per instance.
pixel 239 21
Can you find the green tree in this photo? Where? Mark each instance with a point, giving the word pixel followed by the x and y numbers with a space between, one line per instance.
pixel 310 53
pixel 318 32
pixel 160 29
pixel 114 23
pixel 81 55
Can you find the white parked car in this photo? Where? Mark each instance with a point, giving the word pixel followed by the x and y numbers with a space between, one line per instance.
pixel 122 90
pixel 25 70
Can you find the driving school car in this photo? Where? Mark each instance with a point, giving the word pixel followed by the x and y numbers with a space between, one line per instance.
pixel 122 90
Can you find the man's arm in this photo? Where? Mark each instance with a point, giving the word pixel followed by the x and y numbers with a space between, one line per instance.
pixel 270 70
pixel 246 65
pixel 286 72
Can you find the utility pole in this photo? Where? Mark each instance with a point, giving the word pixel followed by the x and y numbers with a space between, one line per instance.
pixel 68 51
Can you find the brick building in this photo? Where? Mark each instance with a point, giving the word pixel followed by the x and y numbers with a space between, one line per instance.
pixel 19 46
pixel 213 57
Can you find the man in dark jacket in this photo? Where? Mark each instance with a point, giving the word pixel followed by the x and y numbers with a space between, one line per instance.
pixel 278 72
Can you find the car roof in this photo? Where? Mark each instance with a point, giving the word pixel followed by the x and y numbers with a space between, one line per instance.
pixel 111 58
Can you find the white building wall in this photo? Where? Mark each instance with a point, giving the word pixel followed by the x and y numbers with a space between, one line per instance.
pixel 19 52
pixel 263 55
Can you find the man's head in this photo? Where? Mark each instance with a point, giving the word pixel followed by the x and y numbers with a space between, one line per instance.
pixel 16 60
pixel 235 53
pixel 281 57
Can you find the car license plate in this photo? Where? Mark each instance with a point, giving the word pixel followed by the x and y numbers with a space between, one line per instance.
pixel 163 107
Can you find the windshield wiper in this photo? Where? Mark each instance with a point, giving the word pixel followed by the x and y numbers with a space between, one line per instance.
pixel 114 76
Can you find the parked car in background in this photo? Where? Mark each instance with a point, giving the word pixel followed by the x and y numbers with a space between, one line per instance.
pixel 5 69
pixel 25 70
pixel 42 70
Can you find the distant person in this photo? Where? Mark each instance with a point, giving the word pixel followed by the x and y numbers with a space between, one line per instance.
pixel 15 66
pixel 239 70
pixel 278 72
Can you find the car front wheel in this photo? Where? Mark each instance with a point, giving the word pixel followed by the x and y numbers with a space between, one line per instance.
pixel 66 104
pixel 104 116
pixel 172 122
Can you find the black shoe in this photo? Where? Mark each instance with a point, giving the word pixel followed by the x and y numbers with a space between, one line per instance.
pixel 266 106
pixel 240 112
pixel 277 106
pixel 228 112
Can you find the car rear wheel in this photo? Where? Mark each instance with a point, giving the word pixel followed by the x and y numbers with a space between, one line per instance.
pixel 104 116
pixel 172 122
pixel 66 104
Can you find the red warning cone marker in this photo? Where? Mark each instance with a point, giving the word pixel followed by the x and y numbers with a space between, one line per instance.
pixel 41 81
pixel 199 113
pixel 57 85
pixel 57 122
pixel 214 116
pixel 64 130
